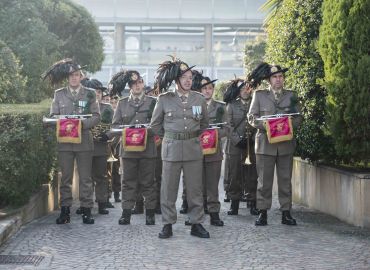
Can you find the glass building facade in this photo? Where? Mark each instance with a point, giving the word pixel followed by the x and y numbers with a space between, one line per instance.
pixel 139 34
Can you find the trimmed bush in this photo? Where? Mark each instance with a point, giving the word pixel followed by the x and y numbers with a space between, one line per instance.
pixel 27 149
pixel 344 47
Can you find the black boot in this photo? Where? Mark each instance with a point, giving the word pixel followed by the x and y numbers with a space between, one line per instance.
pixel 116 196
pixel 102 209
pixel 108 204
pixel 64 216
pixel 79 211
pixel 158 210
pixel 138 208
pixel 287 219
pixel 184 207
pixel 215 219
pixel 234 208
pixel 125 218
pixel 205 207
pixel 262 218
pixel 253 209
pixel 86 216
pixel 166 231
pixel 198 230
pixel 187 222
pixel 150 217
pixel 227 197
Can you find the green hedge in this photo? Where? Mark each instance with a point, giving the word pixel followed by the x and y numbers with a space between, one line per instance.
pixel 27 149
pixel 344 47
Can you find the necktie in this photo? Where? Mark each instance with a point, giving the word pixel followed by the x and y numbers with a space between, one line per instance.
pixel 74 93
pixel 183 98
pixel 137 100
pixel 277 95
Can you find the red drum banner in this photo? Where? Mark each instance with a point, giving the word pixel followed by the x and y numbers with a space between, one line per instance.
pixel 69 130
pixel 157 140
pixel 134 139
pixel 279 129
pixel 209 141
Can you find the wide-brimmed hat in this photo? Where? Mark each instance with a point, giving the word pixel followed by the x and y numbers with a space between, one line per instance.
pixel 119 81
pixel 93 84
pixel 60 70
pixel 274 69
pixel 206 80
pixel 170 71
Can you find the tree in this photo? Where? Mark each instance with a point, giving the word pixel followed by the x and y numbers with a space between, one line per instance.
pixel 12 83
pixel 344 47
pixel 46 31
pixel 291 42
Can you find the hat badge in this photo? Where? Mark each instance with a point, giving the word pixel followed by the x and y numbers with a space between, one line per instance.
pixel 204 81
pixel 274 69
pixel 134 77
pixel 183 67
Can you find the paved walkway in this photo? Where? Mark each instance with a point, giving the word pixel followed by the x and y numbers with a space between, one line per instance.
pixel 318 242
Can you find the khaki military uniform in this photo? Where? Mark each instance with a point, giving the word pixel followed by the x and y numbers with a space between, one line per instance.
pixel 138 167
pixel 242 177
pixel 99 162
pixel 66 104
pixel 212 163
pixel 276 154
pixel 180 123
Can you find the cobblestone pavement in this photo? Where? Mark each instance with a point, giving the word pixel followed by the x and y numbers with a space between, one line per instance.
pixel 318 242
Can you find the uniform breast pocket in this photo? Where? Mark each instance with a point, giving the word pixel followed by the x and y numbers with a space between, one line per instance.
pixel 62 108
pixel 170 114
pixel 126 119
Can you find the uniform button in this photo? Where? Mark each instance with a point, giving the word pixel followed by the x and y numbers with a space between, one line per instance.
pixel 136 112
pixel 186 127
pixel 184 118
pixel 184 110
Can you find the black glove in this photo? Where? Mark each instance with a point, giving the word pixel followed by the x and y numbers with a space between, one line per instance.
pixel 242 143
pixel 103 137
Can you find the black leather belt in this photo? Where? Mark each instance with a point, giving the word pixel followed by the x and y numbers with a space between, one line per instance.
pixel 180 135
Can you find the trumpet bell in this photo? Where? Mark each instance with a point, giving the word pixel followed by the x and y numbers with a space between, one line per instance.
pixel 112 159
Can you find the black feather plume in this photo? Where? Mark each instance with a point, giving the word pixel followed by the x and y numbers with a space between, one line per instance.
pixel 258 74
pixel 93 83
pixel 168 72
pixel 233 90
pixel 60 71
pixel 197 80
pixel 118 82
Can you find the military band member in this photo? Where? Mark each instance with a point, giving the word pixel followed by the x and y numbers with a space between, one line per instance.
pixel 242 177
pixel 115 175
pixel 71 100
pixel 212 162
pixel 275 100
pixel 138 166
pixel 101 152
pixel 179 117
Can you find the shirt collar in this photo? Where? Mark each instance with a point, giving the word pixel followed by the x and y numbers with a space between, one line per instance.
pixel 180 94
pixel 132 97
pixel 77 90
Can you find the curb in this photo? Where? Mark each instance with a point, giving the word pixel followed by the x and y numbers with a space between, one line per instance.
pixel 40 204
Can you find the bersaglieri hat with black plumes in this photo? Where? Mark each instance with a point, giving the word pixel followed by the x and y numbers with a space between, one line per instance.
pixel 60 70
pixel 119 81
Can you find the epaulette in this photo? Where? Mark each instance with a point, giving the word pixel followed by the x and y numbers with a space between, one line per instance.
pixel 60 89
pixel 105 103
pixel 122 98
pixel 150 97
pixel 219 102
pixel 197 93
pixel 167 93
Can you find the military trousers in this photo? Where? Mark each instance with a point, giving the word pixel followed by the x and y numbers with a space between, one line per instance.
pixel 138 171
pixel 211 178
pixel 243 178
pixel 100 178
pixel 192 177
pixel 226 172
pixel 116 177
pixel 66 161
pixel 265 168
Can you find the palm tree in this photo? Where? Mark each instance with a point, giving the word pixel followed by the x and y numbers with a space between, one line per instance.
pixel 271 7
